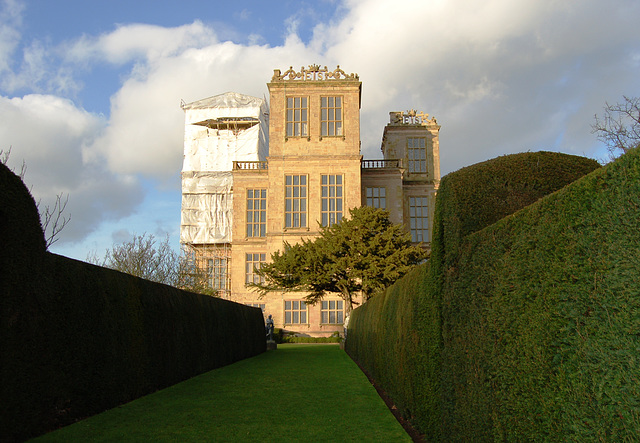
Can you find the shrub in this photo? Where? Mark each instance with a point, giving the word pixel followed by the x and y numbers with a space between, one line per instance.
pixel 416 338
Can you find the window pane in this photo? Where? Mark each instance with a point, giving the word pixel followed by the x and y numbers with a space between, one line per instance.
pixel 297 117
pixel 331 199
pixel 417 154
pixel 256 212
pixel 331 116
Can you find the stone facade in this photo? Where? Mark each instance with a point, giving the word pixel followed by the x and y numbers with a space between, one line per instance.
pixel 314 173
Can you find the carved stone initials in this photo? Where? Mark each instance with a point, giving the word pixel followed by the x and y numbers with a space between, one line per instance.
pixel 312 73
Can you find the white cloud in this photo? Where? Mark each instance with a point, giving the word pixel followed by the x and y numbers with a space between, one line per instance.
pixel 11 21
pixel 146 129
pixel 500 77
pixel 140 42
pixel 48 133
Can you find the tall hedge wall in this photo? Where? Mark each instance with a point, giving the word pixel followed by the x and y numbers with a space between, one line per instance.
pixel 468 201
pixel 76 339
pixel 393 338
pixel 541 318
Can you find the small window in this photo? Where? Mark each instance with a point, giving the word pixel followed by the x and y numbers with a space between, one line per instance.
pixel 331 116
pixel 332 312
pixel 254 261
pixel 297 117
pixel 295 312
pixel 377 198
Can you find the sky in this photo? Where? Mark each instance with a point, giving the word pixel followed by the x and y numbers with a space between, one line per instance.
pixel 90 92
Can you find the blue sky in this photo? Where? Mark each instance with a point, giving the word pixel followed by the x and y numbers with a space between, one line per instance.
pixel 90 91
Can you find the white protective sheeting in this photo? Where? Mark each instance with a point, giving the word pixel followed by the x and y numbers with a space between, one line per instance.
pixel 216 147
pixel 207 207
pixel 216 150
pixel 207 182
pixel 206 218
pixel 213 140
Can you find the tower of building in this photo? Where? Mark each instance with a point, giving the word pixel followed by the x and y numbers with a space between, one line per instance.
pixel 311 179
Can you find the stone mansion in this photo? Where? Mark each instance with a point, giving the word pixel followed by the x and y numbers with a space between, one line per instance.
pixel 257 174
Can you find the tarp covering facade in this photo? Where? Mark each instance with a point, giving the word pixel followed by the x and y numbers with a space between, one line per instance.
pixel 218 131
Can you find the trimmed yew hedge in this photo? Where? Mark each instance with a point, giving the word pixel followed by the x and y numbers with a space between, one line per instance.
pixel 541 318
pixel 76 339
pixel 395 339
pixel 527 329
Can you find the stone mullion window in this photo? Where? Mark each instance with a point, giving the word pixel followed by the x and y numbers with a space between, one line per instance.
pixel 256 212
pixel 297 117
pixel 376 197
pixel 331 116
pixel 417 155
pixel 218 272
pixel 331 199
pixel 295 201
pixel 332 312
pixel 254 261
pixel 295 312
pixel 419 219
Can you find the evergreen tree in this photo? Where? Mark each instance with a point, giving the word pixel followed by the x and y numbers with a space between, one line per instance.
pixel 362 254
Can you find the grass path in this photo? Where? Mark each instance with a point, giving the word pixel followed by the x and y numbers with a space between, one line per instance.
pixel 296 393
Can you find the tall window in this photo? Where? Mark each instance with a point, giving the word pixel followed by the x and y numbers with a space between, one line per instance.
pixel 377 198
pixel 295 201
pixel 218 275
pixel 417 153
pixel 295 312
pixel 331 201
pixel 330 116
pixel 253 262
pixel 419 218
pixel 256 212
pixel 297 120
pixel 332 312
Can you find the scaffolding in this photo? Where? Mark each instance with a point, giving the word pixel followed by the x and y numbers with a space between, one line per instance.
pixel 219 131
pixel 209 267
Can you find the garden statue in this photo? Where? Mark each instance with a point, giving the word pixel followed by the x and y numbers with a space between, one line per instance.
pixel 269 328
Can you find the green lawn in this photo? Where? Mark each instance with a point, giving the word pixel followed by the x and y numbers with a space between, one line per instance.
pixel 296 393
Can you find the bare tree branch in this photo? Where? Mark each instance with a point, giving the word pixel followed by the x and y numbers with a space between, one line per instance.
pixel 4 159
pixel 53 219
pixel 619 128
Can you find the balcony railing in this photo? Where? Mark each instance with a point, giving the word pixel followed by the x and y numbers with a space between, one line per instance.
pixel 246 166
pixel 381 164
